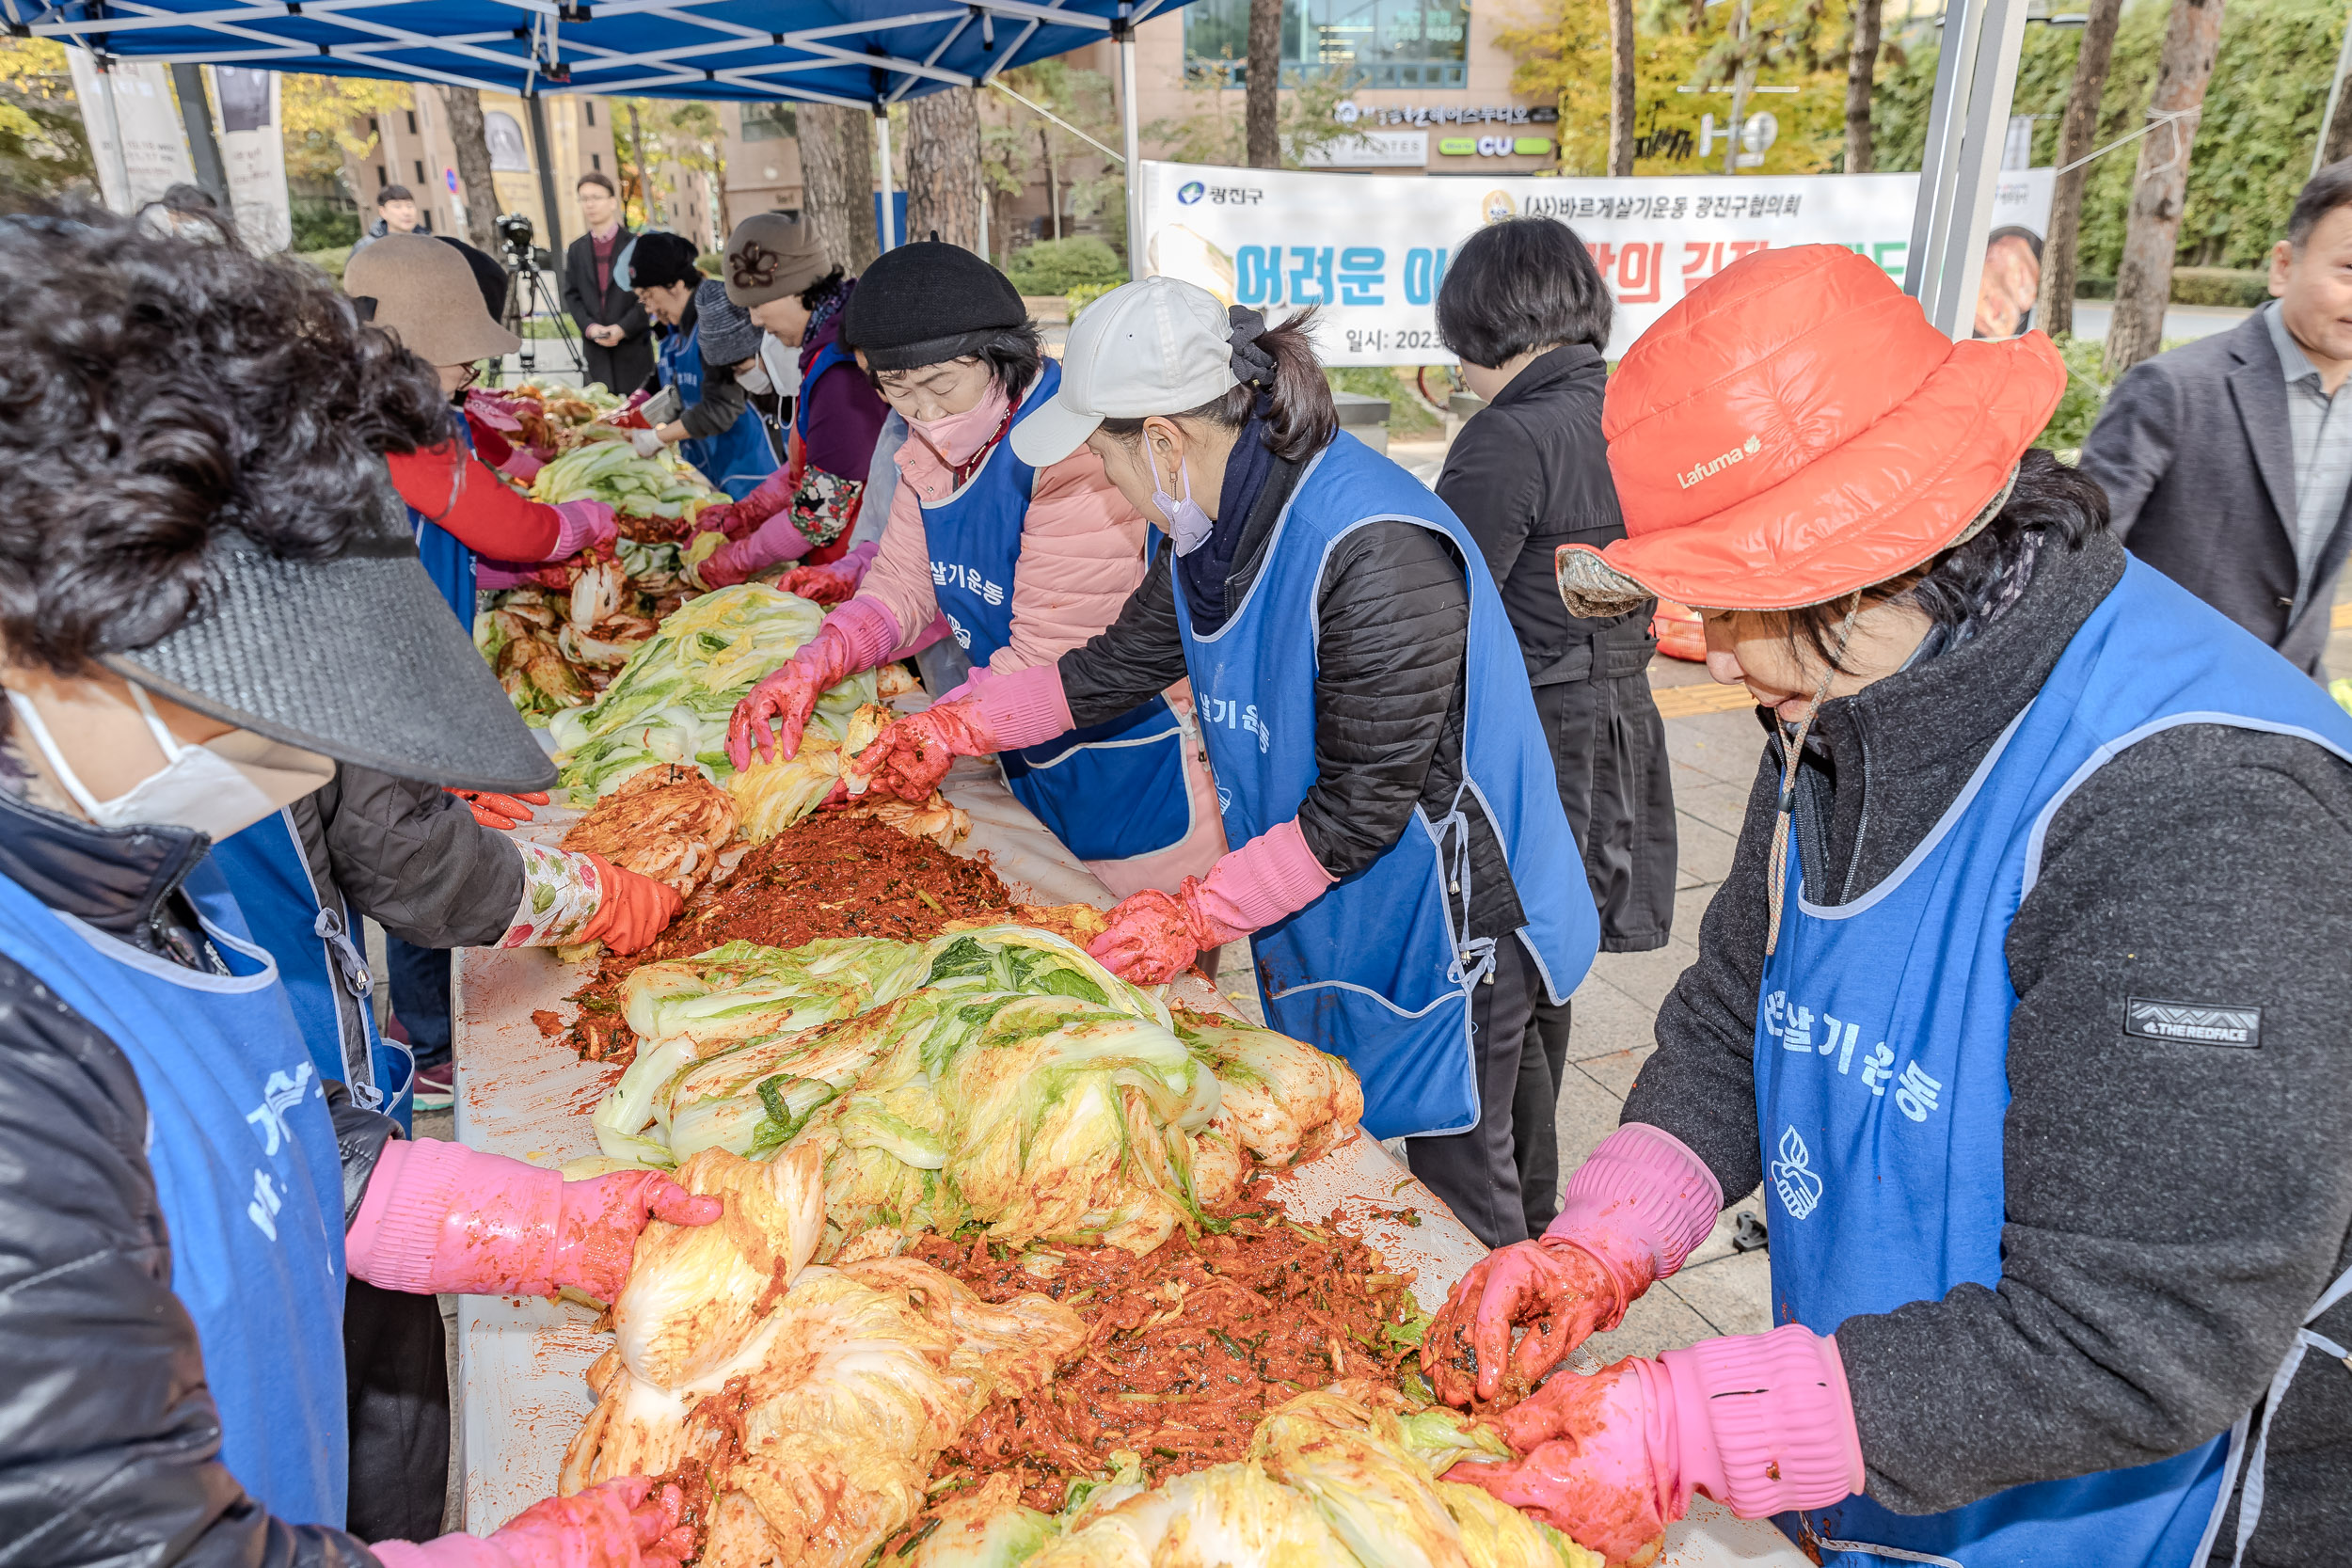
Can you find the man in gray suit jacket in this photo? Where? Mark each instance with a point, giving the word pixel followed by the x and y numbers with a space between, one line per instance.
pixel 2227 462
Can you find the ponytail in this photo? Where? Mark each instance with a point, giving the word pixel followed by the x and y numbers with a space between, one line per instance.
pixel 1275 363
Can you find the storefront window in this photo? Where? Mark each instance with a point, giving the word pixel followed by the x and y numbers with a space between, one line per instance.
pixel 1372 43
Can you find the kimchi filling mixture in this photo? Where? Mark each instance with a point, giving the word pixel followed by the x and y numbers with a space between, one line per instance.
pixel 828 877
pixel 1187 1346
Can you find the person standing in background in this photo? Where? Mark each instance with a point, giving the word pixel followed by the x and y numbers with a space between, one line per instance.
pixel 1527 312
pixel 2224 464
pixel 776 272
pixel 395 214
pixel 616 346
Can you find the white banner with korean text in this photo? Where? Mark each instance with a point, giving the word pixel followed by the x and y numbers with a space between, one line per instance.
pixel 1372 251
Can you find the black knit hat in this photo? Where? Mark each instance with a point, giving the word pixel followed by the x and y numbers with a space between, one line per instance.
pixel 928 302
pixel 658 259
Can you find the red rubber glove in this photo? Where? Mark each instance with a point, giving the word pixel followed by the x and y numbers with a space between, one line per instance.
pixel 493 810
pixel 1632 1213
pixel 909 758
pixel 620 1523
pixel 1152 935
pixel 1153 938
pixel 726 518
pixel 831 584
pixel 789 696
pixel 1555 1287
pixel 440 1218
pixel 632 910
pixel 1760 1422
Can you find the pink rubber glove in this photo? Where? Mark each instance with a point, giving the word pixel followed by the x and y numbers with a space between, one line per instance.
pixel 441 1218
pixel 855 637
pixel 987 713
pixel 1760 1422
pixel 584 524
pixel 723 567
pixel 1154 937
pixel 1632 1215
pixel 834 583
pixel 619 1523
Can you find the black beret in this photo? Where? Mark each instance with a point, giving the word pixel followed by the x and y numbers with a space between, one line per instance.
pixel 928 302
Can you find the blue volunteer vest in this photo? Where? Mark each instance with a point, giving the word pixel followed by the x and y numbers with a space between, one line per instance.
pixel 738 457
pixel 1109 791
pixel 245 1170
pixel 445 559
pixel 1882 1045
pixel 1376 971
pixel 827 358
pixel 315 937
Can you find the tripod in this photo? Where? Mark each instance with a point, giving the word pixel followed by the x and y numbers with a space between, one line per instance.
pixel 527 296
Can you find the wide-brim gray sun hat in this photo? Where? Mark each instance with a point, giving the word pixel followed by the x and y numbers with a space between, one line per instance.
pixel 357 657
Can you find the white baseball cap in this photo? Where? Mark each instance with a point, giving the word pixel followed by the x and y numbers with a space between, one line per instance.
pixel 1155 346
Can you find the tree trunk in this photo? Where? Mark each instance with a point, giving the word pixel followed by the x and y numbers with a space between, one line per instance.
pixel 2143 281
pixel 2054 312
pixel 1862 65
pixel 1621 86
pixel 1053 178
pixel 1743 77
pixel 2336 145
pixel 837 182
pixel 473 165
pixel 1263 84
pixel 942 149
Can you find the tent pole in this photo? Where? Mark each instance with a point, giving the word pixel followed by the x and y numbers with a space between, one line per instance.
pixel 1131 140
pixel 1967 122
pixel 114 133
pixel 196 116
pixel 538 108
pixel 889 198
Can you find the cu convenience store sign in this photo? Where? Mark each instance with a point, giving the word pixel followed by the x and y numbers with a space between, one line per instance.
pixel 1373 251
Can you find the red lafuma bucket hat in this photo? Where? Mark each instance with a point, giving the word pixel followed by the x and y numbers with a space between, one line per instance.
pixel 1794 430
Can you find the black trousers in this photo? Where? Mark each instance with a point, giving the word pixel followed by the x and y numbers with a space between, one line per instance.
pixel 620 369
pixel 396 1385
pixel 1478 1173
pixel 1535 1110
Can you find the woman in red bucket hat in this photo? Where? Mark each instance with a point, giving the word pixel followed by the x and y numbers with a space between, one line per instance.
pixel 2001 1002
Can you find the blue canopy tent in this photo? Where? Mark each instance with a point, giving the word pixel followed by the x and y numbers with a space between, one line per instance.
pixel 860 54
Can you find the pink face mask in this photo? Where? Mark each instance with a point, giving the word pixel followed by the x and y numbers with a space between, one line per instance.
pixel 957 437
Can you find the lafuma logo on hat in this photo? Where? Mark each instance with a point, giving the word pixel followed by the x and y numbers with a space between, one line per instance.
pixel 1745 450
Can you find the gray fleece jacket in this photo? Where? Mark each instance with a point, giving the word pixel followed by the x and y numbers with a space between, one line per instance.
pixel 2175 1210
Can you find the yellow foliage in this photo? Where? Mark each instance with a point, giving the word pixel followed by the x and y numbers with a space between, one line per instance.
pixel 1565 53
pixel 323 118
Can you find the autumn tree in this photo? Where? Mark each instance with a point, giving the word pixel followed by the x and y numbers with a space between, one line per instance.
pixel 472 140
pixel 942 167
pixel 1862 66
pixel 1262 85
pixel 2054 311
pixel 2144 279
pixel 43 144
pixel 837 182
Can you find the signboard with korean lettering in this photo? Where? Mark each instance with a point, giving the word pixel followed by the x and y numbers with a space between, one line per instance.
pixel 1372 251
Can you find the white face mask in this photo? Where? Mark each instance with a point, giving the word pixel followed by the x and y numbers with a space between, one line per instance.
pixel 1187 524
pixel 218 789
pixel 754 381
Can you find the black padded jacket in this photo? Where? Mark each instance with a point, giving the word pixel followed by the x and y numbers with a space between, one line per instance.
pixel 2173 1209
pixel 1394 622
pixel 109 1441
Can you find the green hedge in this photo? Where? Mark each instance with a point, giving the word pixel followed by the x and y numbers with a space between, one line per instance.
pixel 1062 266
pixel 2253 146
pixel 2243 287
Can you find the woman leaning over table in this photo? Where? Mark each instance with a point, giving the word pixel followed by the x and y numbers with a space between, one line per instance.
pixel 1402 850
pixel 2023 999
pixel 1020 562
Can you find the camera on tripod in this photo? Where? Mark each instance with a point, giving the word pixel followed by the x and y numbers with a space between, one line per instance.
pixel 515 235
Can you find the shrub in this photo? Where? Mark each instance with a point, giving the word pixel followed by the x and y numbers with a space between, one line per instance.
pixel 322 225
pixel 1059 266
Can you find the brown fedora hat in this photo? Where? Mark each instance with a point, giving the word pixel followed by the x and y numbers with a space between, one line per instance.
pixel 424 294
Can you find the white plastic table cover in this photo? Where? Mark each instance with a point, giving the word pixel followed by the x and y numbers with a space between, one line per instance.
pixel 522 1362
